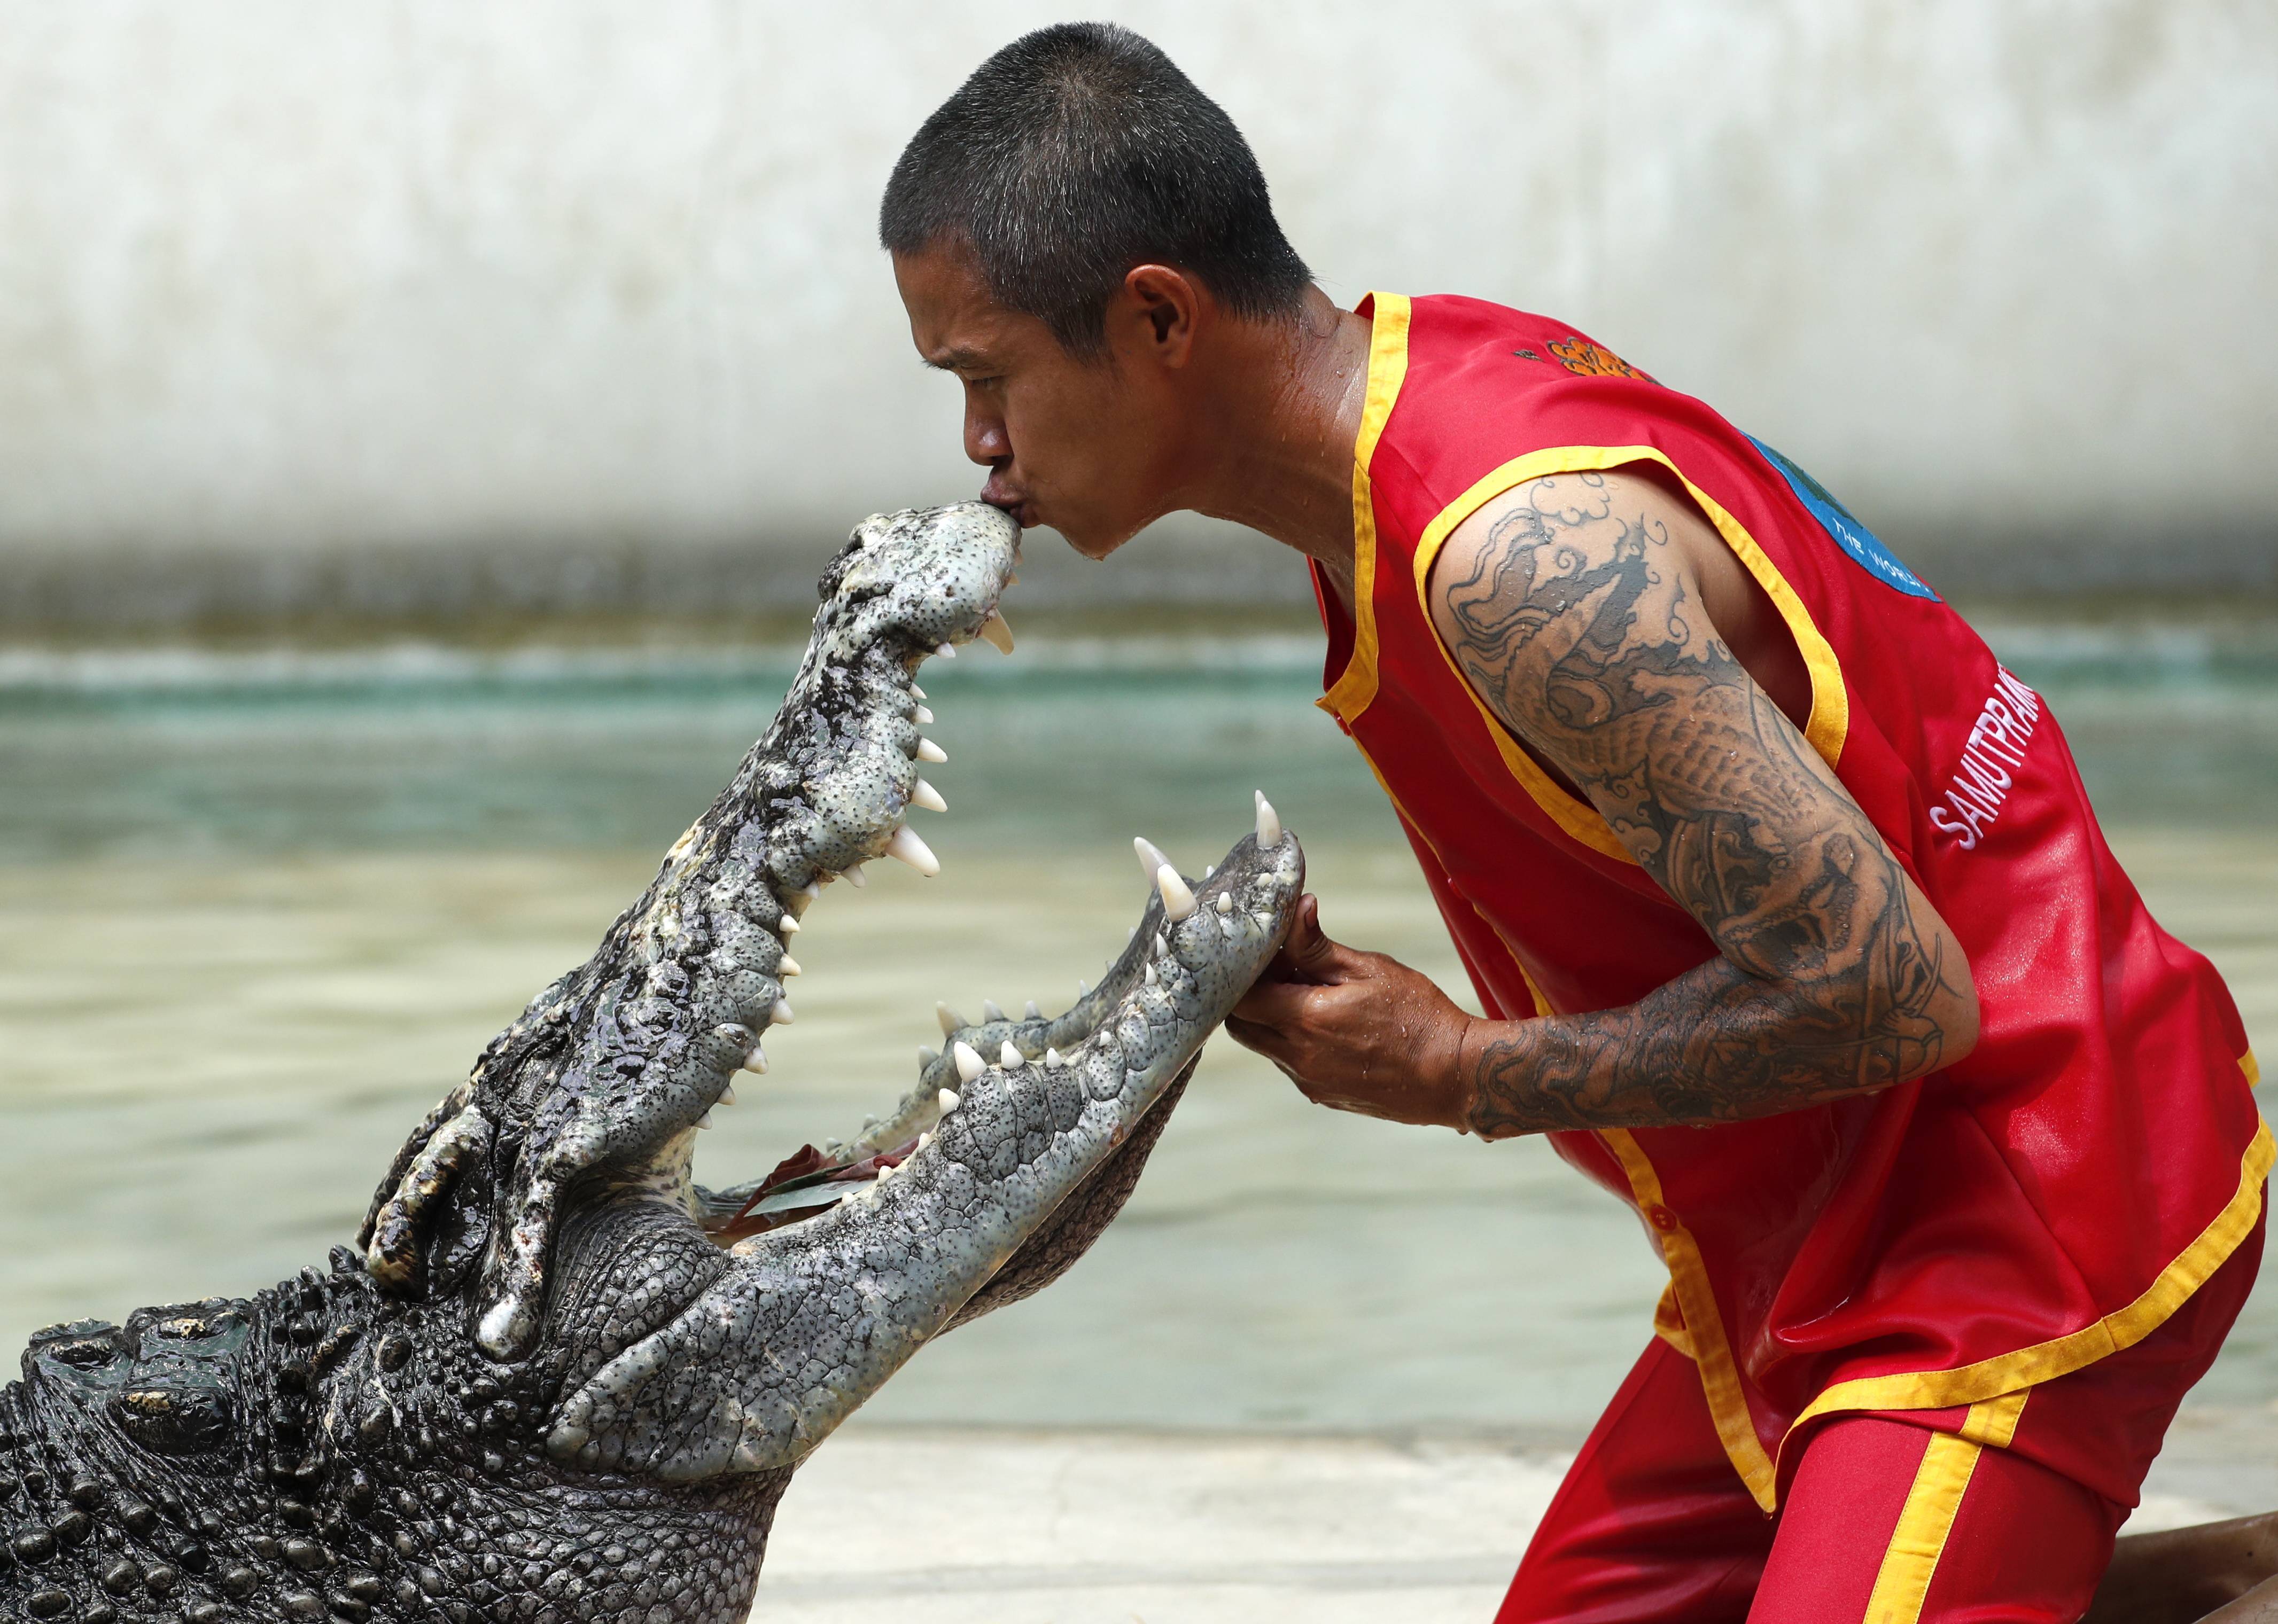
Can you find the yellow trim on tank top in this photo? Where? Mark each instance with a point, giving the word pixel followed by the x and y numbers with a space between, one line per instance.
pixel 1387 368
pixel 1827 726
pixel 2044 1361
pixel 1687 1317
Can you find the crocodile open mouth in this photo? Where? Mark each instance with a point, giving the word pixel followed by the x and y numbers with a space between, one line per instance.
pixel 598 1087
pixel 1240 902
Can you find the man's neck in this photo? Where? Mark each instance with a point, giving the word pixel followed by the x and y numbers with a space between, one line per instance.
pixel 1282 438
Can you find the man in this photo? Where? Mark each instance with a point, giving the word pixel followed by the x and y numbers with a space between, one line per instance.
pixel 1792 924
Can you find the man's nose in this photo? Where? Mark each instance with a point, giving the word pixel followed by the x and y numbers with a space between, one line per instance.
pixel 985 440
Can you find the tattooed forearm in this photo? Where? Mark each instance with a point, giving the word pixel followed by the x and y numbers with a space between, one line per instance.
pixel 1574 619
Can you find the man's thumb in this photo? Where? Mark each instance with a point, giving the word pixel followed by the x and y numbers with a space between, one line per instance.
pixel 1307 948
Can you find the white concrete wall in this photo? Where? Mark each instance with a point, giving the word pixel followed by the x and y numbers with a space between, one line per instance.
pixel 301 280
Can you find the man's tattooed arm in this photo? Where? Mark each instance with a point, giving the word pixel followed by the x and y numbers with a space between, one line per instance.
pixel 1570 608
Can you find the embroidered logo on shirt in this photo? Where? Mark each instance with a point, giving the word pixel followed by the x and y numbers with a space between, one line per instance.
pixel 1980 788
pixel 1853 537
pixel 1584 359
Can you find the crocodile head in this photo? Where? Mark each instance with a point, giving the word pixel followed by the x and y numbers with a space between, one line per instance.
pixel 558 1378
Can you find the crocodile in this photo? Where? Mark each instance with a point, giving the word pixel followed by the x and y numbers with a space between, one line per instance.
pixel 555 1378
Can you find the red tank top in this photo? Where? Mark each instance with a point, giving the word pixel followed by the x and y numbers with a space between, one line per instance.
pixel 1945 1242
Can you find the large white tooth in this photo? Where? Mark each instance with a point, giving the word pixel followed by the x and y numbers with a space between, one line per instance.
pixel 1052 1057
pixel 923 794
pixel 1082 989
pixel 1012 1059
pixel 908 847
pixel 927 1056
pixel 787 927
pixel 922 717
pixel 856 878
pixel 991 1011
pixel 756 1061
pixel 1150 972
pixel 924 1139
pixel 1150 856
pixel 916 692
pixel 780 1015
pixel 928 751
pixel 1269 821
pixel 950 1100
pixel 969 1065
pixel 944 650
pixel 726 1095
pixel 1177 901
pixel 1208 869
pixel 950 1019
pixel 998 633
pixel 1226 902
pixel 1033 1013
pixel 704 1121
pixel 787 966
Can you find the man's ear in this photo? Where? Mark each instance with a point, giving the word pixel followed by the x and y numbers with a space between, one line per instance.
pixel 1157 309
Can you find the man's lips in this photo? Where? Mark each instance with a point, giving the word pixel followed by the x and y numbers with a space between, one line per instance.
pixel 1011 501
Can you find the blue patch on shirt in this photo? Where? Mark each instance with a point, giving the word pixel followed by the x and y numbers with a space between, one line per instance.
pixel 1853 537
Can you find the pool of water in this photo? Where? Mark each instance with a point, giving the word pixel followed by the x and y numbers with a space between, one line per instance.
pixel 257 911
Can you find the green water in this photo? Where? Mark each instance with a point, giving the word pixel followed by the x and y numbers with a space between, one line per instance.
pixel 257 911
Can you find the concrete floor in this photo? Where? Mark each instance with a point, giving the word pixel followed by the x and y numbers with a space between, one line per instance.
pixel 971 1527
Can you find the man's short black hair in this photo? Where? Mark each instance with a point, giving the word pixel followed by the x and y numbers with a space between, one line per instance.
pixel 1075 153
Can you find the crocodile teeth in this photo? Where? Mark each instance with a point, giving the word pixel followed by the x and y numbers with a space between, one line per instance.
pixel 1150 856
pixel 969 1065
pixel 916 692
pixel 1033 1013
pixel 944 650
pixel 787 927
pixel 905 847
pixel 998 635
pixel 1226 902
pixel 788 965
pixel 756 1061
pixel 1150 972
pixel 928 751
pixel 780 1015
pixel 922 717
pixel 923 794
pixel 1052 1057
pixel 1177 901
pixel 950 1019
pixel 950 1100
pixel 856 878
pixel 726 1095
pixel 704 1121
pixel 927 1056
pixel 1012 1059
pixel 991 1011
pixel 1082 989
pixel 1269 821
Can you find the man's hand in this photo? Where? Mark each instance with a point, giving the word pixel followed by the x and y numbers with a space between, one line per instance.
pixel 1356 1031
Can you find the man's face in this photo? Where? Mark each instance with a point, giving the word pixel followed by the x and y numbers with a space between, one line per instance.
pixel 1077 444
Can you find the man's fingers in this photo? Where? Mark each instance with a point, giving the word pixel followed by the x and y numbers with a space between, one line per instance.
pixel 1275 1004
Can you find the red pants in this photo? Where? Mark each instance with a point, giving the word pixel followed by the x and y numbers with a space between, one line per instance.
pixel 1998 1515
